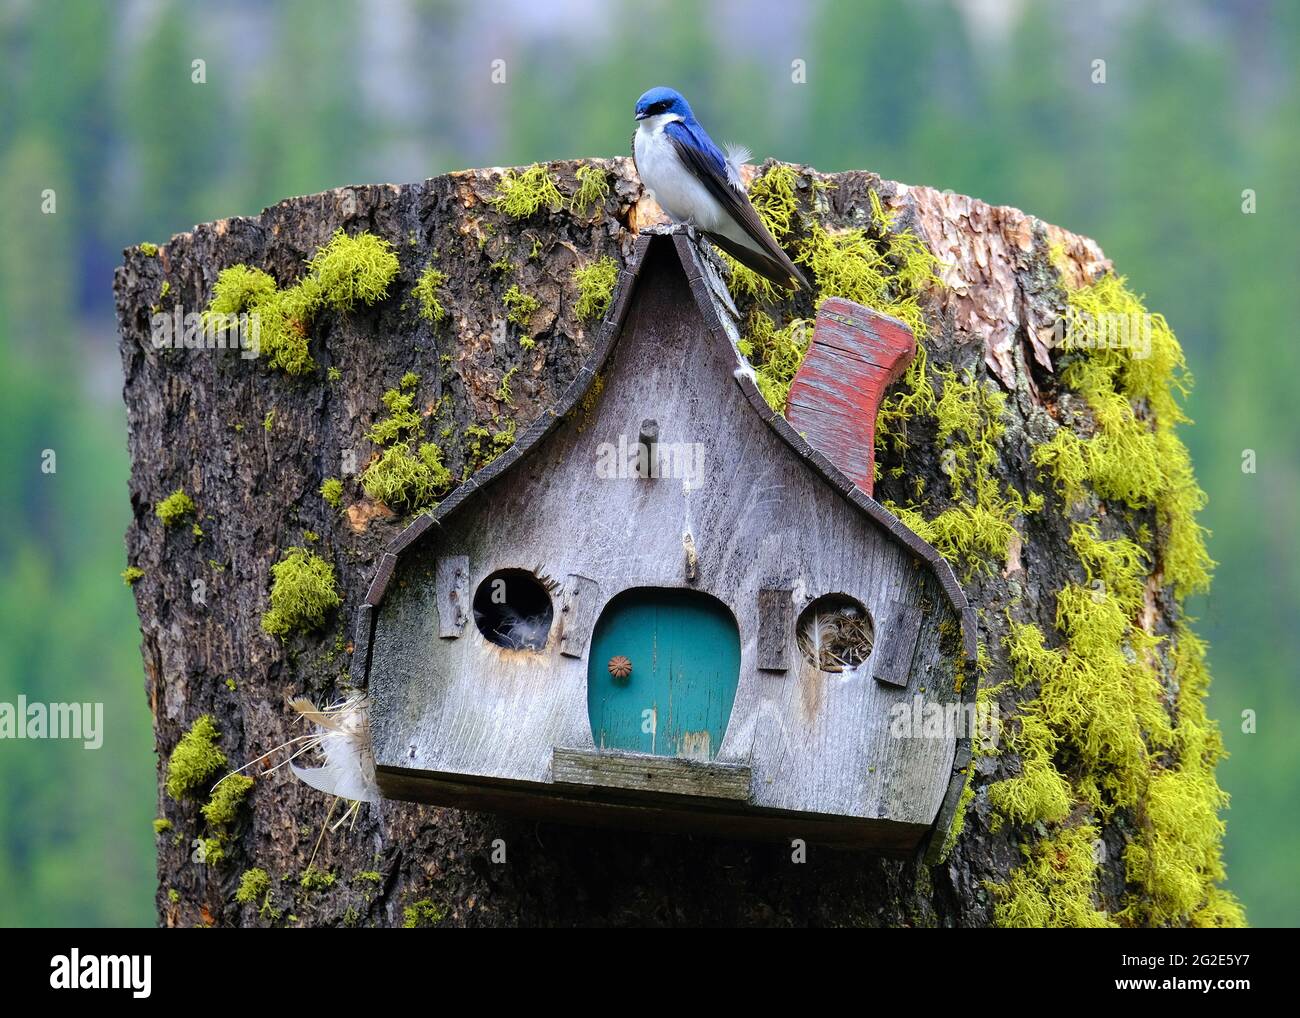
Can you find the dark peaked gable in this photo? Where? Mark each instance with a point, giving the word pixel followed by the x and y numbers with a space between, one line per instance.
pixel 713 303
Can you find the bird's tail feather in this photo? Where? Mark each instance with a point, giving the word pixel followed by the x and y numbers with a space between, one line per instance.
pixel 780 270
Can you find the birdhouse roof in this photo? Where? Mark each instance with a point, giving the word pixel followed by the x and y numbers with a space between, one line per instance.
pixel 718 313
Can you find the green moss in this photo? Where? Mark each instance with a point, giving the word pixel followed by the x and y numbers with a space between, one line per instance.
pixel 520 195
pixel 595 285
pixel 239 289
pixel 422 913
pixel 148 249
pixel 302 591
pixel 402 418
pixel 333 374
pixel 161 825
pixel 426 292
pixel 593 188
pixel 214 851
pixel 403 476
pixel 195 759
pixel 331 490
pixel 345 271
pixel 222 808
pixel 520 306
pixel 370 876
pixel 231 685
pixel 352 270
pixel 173 895
pixel 503 393
pixel 254 886
pixel 409 380
pixel 172 509
pixel 268 421
pixel 316 880
pixel 132 575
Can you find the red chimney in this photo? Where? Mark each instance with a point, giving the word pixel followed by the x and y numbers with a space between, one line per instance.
pixel 855 354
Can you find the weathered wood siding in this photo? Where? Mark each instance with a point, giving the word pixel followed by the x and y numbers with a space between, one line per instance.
pixel 758 517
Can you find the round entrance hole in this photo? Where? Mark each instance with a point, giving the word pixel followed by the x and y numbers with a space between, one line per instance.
pixel 513 610
pixel 835 633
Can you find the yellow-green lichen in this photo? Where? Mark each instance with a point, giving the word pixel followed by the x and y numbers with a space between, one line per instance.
pixel 161 825
pixel 595 284
pixel 222 807
pixel 520 195
pixel 426 292
pixel 775 199
pixel 877 266
pixel 172 509
pixel 1130 369
pixel 149 249
pixel 302 591
pixel 132 575
pixel 331 490
pixel 778 351
pixel 195 760
pixel 1055 885
pixel 520 306
pixel 593 188
pixel 978 529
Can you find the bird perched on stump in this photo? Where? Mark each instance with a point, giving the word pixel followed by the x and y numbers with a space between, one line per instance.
pixel 696 184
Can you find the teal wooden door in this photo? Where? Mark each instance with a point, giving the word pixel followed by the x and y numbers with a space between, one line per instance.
pixel 685 654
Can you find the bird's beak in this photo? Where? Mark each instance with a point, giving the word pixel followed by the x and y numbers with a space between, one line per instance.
pixel 642 116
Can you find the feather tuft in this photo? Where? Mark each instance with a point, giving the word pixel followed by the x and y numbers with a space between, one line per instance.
pixel 343 740
pixel 736 157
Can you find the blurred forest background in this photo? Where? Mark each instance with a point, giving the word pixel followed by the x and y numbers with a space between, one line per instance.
pixel 993 99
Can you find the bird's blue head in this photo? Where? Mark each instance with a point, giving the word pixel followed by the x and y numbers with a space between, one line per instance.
pixel 660 100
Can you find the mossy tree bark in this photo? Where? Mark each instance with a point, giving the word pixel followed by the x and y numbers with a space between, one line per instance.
pixel 252 447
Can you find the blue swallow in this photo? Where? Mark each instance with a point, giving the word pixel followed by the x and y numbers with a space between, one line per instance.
pixel 694 183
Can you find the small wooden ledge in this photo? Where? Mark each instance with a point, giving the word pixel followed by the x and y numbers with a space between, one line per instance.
pixel 644 772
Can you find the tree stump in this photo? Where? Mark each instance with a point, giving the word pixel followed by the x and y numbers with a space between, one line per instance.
pixel 1096 803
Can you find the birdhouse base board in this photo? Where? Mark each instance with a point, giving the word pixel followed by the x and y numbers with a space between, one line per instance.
pixel 598 806
pixel 642 772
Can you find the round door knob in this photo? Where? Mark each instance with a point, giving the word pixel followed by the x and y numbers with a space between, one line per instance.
pixel 620 667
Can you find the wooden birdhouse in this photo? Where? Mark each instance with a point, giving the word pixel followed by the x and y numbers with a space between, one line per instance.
pixel 667 606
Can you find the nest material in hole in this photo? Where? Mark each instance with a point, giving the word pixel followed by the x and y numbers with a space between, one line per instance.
pixel 836 637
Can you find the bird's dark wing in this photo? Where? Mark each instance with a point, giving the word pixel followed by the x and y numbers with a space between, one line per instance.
pixel 699 155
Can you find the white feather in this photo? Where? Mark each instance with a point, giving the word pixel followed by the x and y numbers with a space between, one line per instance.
pixel 737 157
pixel 343 739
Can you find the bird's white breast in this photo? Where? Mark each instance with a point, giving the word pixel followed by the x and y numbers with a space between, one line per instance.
pixel 673 186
